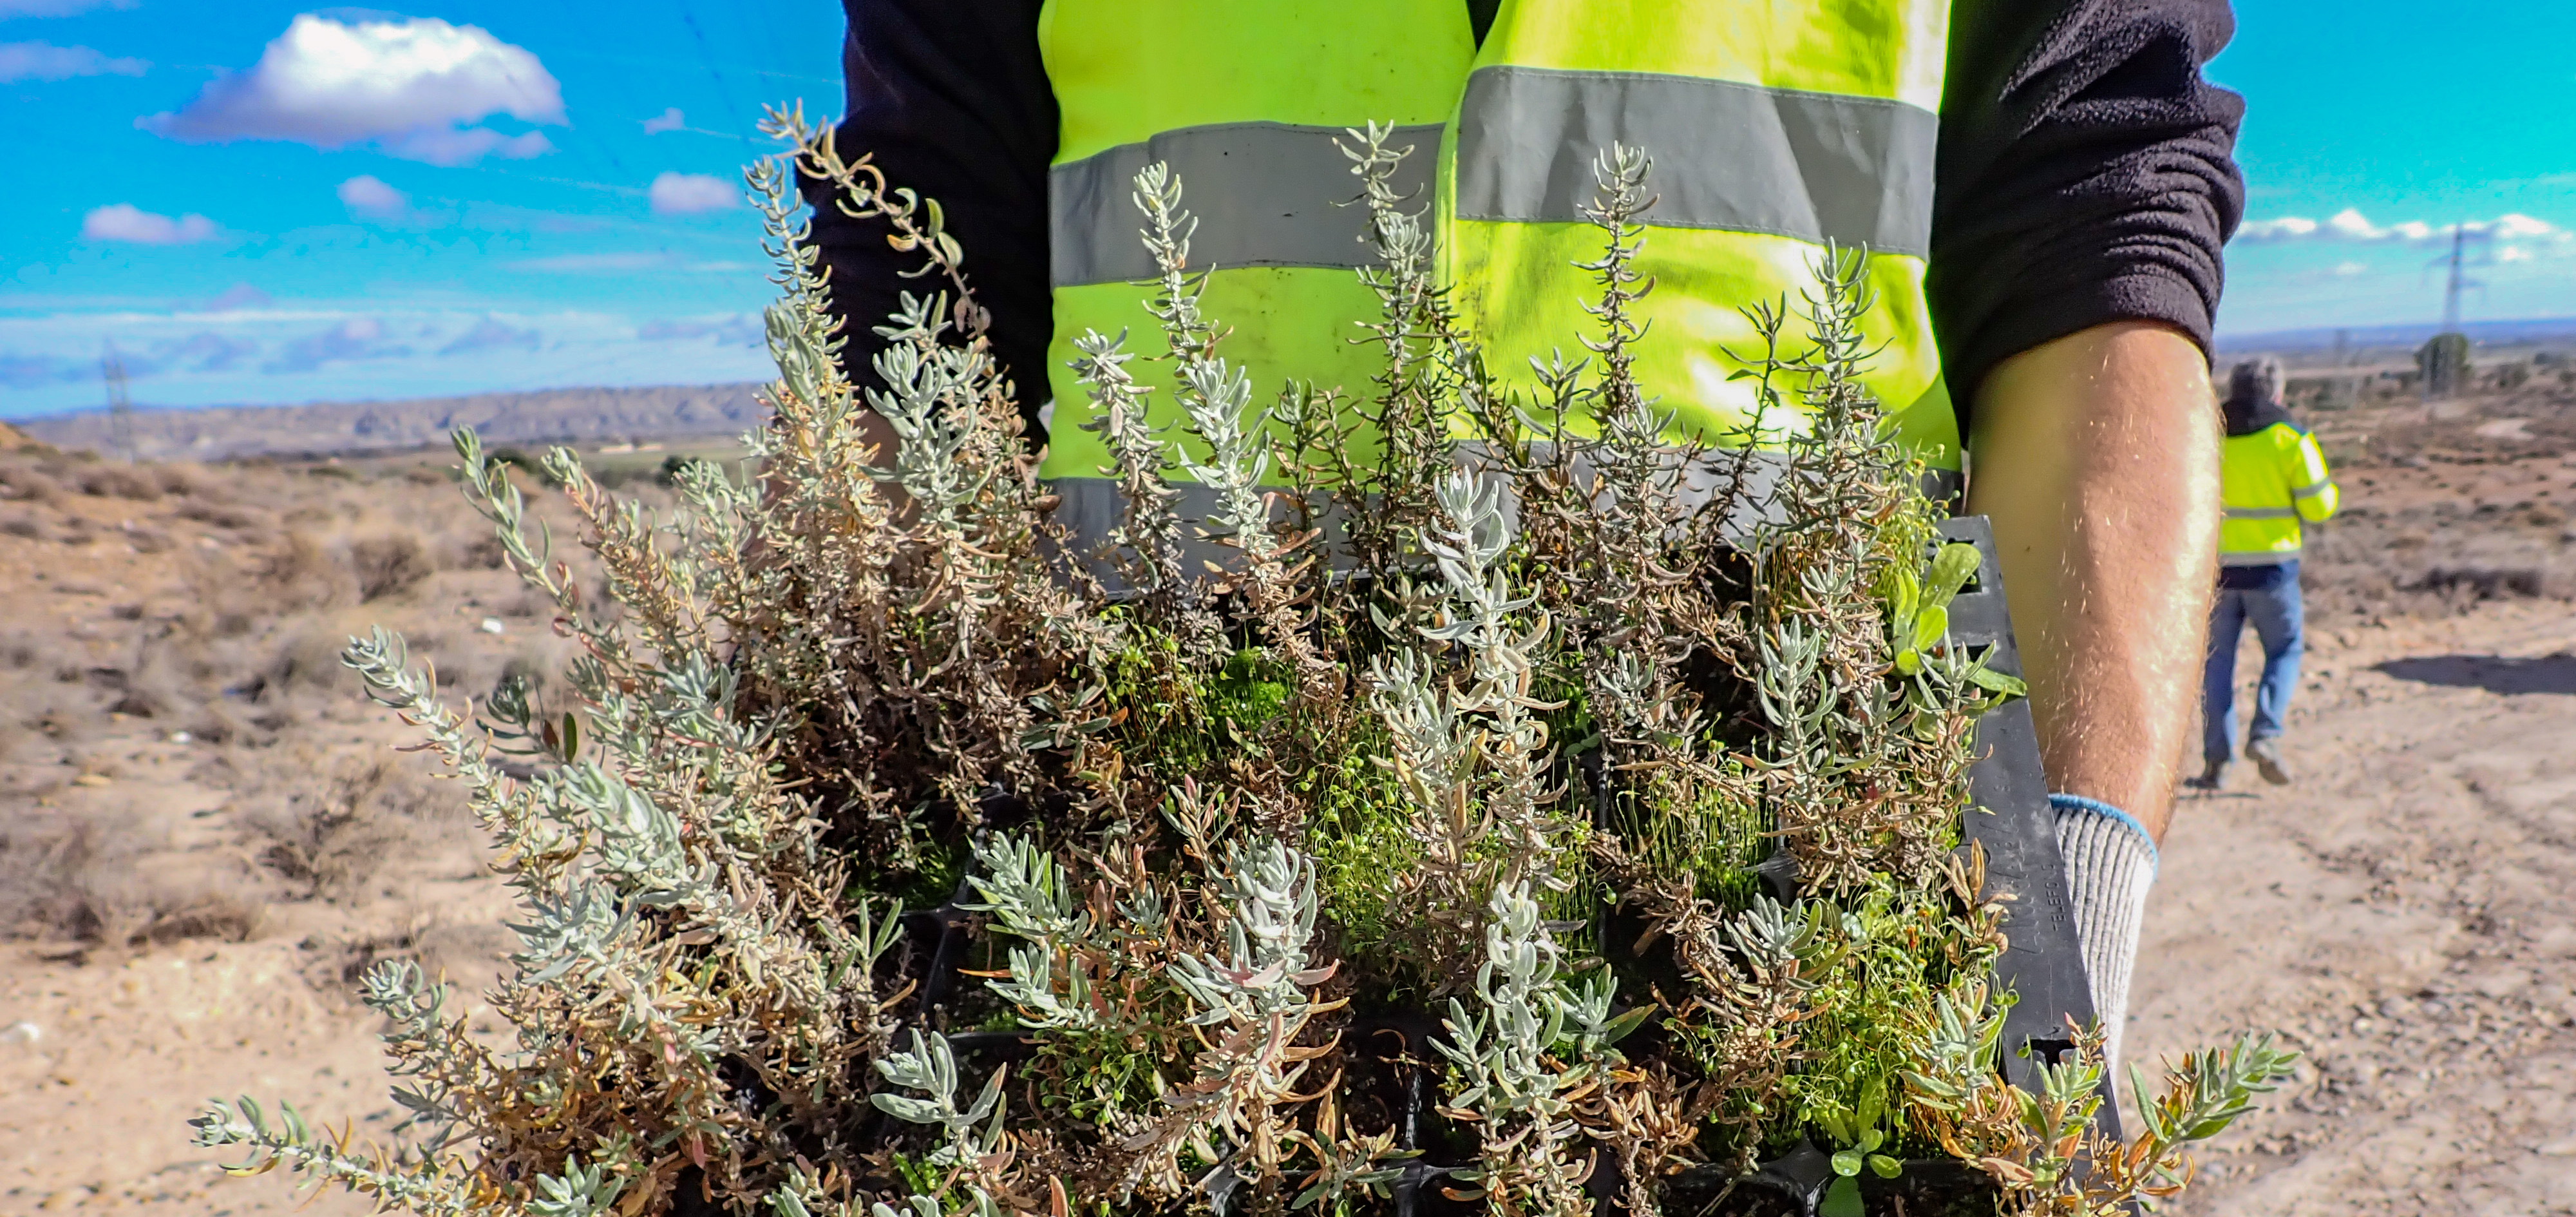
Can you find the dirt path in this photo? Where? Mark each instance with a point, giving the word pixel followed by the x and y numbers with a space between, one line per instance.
pixel 2402 916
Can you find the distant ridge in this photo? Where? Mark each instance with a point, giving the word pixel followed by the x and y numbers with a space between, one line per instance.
pixel 332 428
pixel 2318 338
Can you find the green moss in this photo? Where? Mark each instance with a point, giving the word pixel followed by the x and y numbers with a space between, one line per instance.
pixel 1706 833
pixel 1096 1075
pixel 1248 692
pixel 1899 953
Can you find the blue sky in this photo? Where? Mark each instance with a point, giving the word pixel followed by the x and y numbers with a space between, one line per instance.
pixel 266 203
pixel 2395 115
pixel 270 203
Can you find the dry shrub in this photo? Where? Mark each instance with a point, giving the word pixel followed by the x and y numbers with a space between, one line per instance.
pixel 221 722
pixel 141 483
pixel 224 515
pixel 158 686
pixel 303 573
pixel 146 539
pixel 307 659
pixel 483 552
pixel 187 479
pixel 467 954
pixel 77 879
pixel 2487 582
pixel 32 485
pixel 388 563
pixel 337 835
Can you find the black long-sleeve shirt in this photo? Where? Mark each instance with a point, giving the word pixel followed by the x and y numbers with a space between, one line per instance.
pixel 2084 173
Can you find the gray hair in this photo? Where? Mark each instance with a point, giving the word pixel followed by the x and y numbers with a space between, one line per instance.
pixel 2256 382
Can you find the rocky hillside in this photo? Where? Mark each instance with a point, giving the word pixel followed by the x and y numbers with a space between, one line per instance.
pixel 328 428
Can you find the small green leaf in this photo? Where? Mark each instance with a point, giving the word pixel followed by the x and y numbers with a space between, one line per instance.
pixel 1951 569
pixel 1902 591
pixel 1842 1199
pixel 1996 682
pixel 1909 661
pixel 1931 626
pixel 571 738
pixel 1847 1163
pixel 1884 1167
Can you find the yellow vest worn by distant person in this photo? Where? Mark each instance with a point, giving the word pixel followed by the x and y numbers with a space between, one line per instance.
pixel 1775 126
pixel 2275 478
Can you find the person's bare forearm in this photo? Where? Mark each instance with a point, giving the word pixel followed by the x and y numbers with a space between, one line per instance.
pixel 2097 456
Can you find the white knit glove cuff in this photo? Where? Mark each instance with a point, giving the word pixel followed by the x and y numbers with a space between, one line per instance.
pixel 2110 865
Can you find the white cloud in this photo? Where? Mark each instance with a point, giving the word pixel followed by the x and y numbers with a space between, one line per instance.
pixel 688 194
pixel 45 61
pixel 451 147
pixel 2350 225
pixel 56 8
pixel 619 263
pixel 239 297
pixel 368 195
pixel 2517 227
pixel 492 333
pixel 2282 229
pixel 670 119
pixel 732 329
pixel 2513 253
pixel 2346 270
pixel 129 223
pixel 409 86
pixel 2286 228
pixel 354 339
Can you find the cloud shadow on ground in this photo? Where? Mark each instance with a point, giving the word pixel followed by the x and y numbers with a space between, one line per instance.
pixel 2493 673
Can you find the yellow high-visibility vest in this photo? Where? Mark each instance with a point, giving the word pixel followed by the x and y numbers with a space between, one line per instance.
pixel 1775 127
pixel 2275 478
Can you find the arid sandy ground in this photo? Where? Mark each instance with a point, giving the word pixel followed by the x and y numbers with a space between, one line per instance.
pixel 2401 915
pixel 186 914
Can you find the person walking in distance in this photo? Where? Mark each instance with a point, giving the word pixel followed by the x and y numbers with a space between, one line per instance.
pixel 2276 480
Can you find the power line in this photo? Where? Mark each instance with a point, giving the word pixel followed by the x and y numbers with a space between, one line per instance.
pixel 724 92
pixel 120 407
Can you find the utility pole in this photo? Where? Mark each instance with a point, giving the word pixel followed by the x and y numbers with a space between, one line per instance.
pixel 2451 294
pixel 120 408
pixel 2444 361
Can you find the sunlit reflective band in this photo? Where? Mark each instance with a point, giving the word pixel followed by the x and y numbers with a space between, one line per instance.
pixel 1744 158
pixel 1516 286
pixel 2269 557
pixel 2262 513
pixel 1091 508
pixel 1265 194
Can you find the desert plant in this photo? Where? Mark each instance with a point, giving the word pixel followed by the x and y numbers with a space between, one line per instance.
pixel 902 857
pixel 389 562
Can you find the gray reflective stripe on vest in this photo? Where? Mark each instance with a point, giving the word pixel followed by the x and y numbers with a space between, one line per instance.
pixel 2311 490
pixel 2262 513
pixel 1091 508
pixel 1730 156
pixel 1265 194
pixel 2265 557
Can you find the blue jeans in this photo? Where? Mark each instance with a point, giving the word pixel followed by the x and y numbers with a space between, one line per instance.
pixel 2267 596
